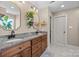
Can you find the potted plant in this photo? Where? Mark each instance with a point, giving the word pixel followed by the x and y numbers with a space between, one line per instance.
pixel 30 18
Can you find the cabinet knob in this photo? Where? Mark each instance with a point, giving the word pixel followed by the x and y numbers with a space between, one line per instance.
pixel 20 48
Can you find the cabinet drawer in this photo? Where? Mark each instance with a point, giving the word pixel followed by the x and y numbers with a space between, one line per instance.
pixel 44 37
pixel 16 49
pixel 27 44
pixel 36 40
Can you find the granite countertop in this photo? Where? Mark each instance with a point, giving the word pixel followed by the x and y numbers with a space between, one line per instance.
pixel 18 40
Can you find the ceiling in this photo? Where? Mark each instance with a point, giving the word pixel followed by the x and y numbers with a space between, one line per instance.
pixel 40 4
pixel 7 5
pixel 56 6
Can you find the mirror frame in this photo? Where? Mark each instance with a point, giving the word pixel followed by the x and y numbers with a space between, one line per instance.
pixel 20 16
pixel 14 20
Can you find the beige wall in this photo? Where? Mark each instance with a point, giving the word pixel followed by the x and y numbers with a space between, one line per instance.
pixel 72 20
pixel 23 28
pixel 24 8
pixel 43 15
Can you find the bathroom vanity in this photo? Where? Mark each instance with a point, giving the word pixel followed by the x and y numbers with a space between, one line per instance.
pixel 32 46
pixel 20 44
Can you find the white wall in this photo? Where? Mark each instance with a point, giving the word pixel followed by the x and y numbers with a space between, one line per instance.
pixel 72 20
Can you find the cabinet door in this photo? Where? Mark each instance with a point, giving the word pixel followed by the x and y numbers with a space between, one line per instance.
pixel 26 52
pixel 37 54
pixel 36 50
pixel 36 47
pixel 44 43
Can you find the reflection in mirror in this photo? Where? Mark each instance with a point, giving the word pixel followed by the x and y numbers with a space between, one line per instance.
pixel 9 15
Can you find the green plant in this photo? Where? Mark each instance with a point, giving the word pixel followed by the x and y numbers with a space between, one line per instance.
pixel 6 22
pixel 29 17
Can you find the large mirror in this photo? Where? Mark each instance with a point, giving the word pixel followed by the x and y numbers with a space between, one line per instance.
pixel 9 15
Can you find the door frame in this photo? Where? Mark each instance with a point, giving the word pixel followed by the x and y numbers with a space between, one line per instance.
pixel 65 26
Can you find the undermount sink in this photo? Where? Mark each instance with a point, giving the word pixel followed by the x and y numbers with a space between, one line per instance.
pixel 13 40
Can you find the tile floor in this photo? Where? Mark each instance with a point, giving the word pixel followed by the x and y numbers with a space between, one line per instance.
pixel 62 51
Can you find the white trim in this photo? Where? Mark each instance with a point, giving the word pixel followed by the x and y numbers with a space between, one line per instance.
pixel 65 28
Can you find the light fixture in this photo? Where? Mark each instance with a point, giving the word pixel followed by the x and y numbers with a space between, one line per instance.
pixel 62 6
pixel 7 11
pixel 12 7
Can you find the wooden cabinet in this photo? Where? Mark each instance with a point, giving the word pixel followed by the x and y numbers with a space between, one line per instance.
pixel 31 48
pixel 16 55
pixel 39 45
pixel 44 43
pixel 26 53
pixel 36 47
pixel 16 50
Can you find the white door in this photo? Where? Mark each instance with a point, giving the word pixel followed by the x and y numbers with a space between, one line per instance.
pixel 60 32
